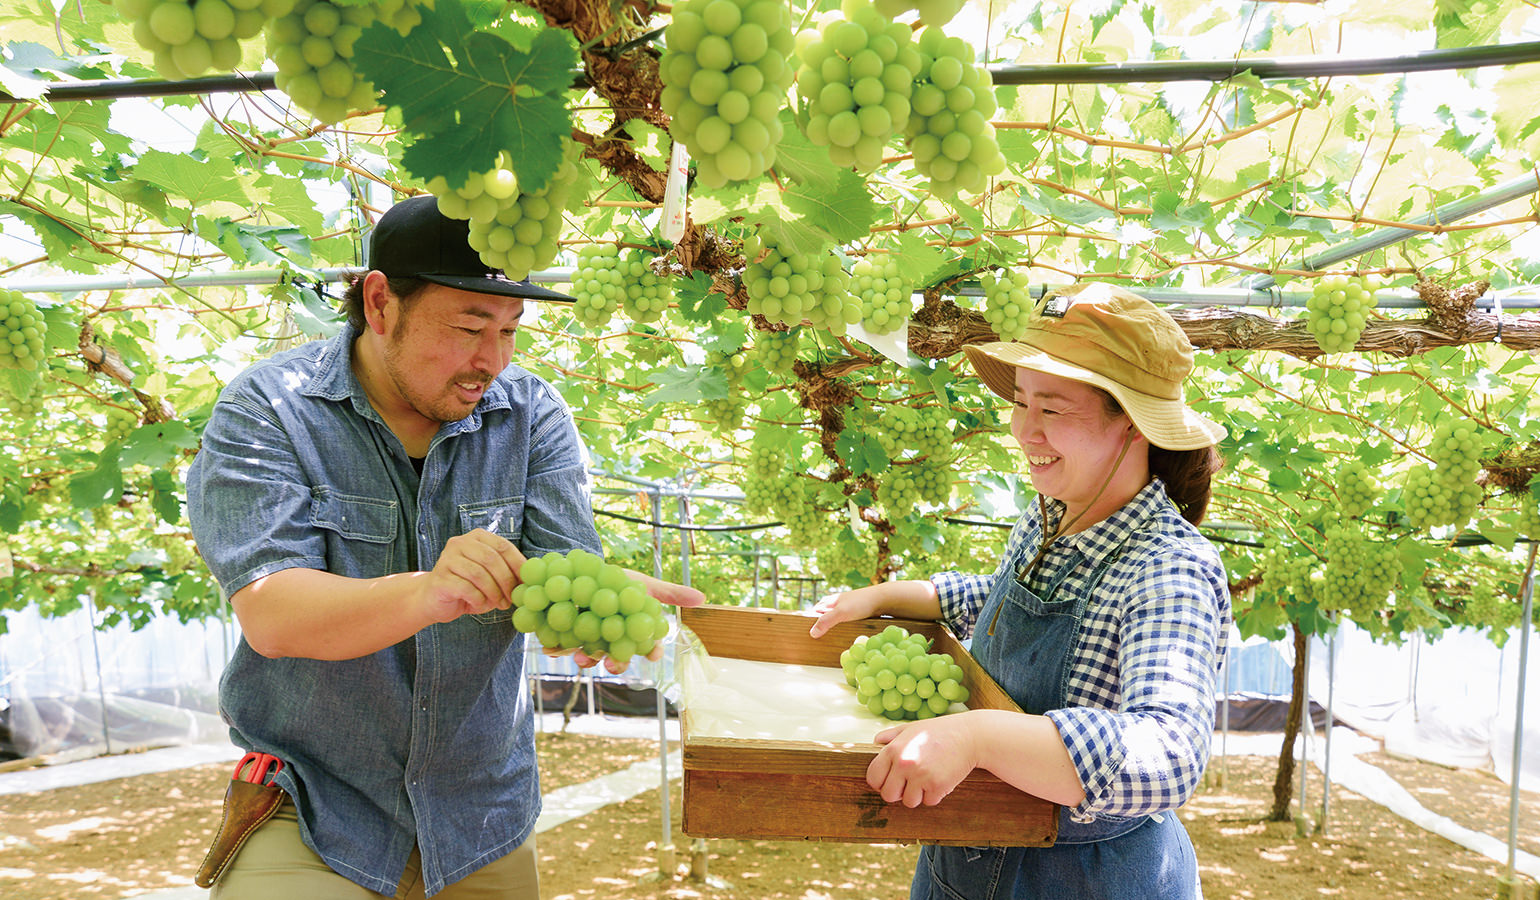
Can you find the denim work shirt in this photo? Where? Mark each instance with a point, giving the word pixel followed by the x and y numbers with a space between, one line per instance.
pixel 429 742
pixel 1140 689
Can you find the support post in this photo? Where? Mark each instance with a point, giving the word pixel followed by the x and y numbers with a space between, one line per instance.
pixel 1511 879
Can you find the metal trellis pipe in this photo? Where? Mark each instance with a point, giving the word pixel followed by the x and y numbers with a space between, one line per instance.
pixel 1494 196
pixel 1141 71
pixel 1526 624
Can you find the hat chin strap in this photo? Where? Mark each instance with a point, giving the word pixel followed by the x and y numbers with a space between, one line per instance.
pixel 1025 572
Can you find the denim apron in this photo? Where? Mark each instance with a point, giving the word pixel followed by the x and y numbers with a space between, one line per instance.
pixel 1025 642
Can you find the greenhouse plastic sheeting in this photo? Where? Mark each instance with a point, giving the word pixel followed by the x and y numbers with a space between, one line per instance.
pixel 1452 701
pixel 1449 701
pixel 68 689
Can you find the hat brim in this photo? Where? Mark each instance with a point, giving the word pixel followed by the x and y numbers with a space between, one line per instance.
pixel 1164 422
pixel 501 287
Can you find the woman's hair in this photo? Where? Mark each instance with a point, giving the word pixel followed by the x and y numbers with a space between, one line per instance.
pixel 1187 474
pixel 406 290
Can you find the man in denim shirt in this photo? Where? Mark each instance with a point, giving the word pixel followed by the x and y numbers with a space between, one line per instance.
pixel 366 503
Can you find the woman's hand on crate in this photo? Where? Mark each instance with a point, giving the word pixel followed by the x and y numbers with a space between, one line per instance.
pixel 924 761
pixel 904 599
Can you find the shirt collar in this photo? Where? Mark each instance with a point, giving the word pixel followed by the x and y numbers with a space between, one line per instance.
pixel 1095 542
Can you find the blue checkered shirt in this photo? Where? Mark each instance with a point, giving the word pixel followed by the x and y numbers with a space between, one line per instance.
pixel 1139 706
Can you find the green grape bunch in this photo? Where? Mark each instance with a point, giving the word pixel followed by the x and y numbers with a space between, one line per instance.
pixel 856 78
pixel 1007 303
pixel 647 294
pixel 577 601
pixel 885 295
pixel 847 560
pixel 1338 310
pixel 190 37
pixel 1356 491
pixel 21 331
pixel 727 412
pixel 1529 516
pixel 777 350
pixel 312 48
pixel 765 479
pixel 896 676
pixel 120 421
pixel 794 288
pixel 923 430
pixel 803 508
pixel 1447 493
pixel 906 486
pixel 948 130
pixel 597 284
pixel 725 74
pixel 511 229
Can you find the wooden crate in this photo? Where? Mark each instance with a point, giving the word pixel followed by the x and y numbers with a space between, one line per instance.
pixel 804 790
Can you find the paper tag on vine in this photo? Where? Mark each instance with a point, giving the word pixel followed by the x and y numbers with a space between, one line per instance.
pixel 671 226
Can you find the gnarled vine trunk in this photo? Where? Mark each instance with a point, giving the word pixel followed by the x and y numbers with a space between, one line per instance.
pixel 1283 786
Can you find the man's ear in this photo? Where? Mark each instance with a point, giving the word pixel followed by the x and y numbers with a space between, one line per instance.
pixel 380 305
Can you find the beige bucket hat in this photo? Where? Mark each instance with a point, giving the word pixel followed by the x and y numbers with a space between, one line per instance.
pixel 1115 340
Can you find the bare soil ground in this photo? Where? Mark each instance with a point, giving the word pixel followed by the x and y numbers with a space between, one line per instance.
pixel 120 838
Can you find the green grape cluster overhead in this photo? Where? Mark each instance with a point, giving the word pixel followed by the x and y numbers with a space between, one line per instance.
pixel 21 331
pixel 1338 310
pixel 949 130
pixel 895 675
pixel 794 288
pixel 725 74
pixel 1529 516
pixel 120 421
pixel 727 412
pixel 190 37
pixel 777 350
pixel 856 78
pixel 886 297
pixel 647 294
pixel 597 285
pixel 577 601
pixel 1446 493
pixel 1359 573
pixel 846 560
pixel 906 431
pixel 1356 491
pixel 766 478
pixel 904 487
pixel 1007 303
pixel 511 229
pixel 313 45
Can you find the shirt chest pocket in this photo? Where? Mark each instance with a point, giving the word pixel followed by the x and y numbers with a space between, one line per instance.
pixel 504 518
pixel 360 532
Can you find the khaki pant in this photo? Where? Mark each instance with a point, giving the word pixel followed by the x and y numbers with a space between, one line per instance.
pixel 276 863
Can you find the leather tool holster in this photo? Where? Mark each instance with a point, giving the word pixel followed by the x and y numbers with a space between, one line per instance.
pixel 247 806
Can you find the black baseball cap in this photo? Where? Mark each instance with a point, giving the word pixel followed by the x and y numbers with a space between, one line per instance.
pixel 414 240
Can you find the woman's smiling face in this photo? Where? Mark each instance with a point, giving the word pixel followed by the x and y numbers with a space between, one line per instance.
pixel 1072 442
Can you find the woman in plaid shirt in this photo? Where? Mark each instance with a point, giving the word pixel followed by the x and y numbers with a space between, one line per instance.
pixel 1105 621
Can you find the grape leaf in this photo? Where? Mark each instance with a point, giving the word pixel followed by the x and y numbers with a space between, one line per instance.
pixel 468 95
pixel 844 210
pixel 211 180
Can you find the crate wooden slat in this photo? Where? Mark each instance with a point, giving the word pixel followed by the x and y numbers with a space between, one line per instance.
pixel 806 790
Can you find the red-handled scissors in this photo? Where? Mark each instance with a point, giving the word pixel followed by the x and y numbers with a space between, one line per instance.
pixel 263 765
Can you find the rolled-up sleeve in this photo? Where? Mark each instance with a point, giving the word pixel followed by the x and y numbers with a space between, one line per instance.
pixel 1148 754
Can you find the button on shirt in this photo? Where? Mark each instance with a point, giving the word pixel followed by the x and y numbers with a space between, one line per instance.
pixel 1139 713
pixel 430 742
